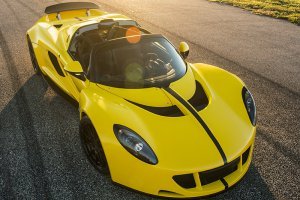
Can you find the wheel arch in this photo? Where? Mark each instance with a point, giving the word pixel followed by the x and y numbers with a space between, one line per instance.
pixel 86 109
pixel 100 141
pixel 222 86
pixel 206 71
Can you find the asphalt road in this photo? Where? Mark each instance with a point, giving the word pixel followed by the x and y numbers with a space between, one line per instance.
pixel 40 152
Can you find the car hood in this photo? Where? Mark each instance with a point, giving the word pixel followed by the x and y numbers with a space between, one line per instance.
pixel 181 142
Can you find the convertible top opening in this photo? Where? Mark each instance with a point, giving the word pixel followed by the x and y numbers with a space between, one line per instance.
pixel 88 36
pixel 151 62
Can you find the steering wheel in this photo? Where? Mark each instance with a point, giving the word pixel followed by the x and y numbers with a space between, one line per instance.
pixel 152 61
pixel 150 56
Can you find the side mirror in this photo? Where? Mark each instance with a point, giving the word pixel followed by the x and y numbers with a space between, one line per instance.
pixel 74 68
pixel 184 49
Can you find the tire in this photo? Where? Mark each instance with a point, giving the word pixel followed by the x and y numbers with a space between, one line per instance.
pixel 92 146
pixel 35 64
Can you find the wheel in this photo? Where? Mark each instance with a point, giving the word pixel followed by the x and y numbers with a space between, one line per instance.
pixel 92 145
pixel 35 64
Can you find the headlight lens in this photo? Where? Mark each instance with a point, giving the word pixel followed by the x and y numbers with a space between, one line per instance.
pixel 250 105
pixel 134 144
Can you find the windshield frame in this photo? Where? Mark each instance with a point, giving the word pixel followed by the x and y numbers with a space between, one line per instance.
pixel 117 41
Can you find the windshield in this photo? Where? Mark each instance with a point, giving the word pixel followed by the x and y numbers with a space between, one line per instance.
pixel 148 62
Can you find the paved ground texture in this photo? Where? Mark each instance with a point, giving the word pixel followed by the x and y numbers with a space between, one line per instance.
pixel 40 152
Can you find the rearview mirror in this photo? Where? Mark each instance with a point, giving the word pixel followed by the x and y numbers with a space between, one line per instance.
pixel 74 68
pixel 184 49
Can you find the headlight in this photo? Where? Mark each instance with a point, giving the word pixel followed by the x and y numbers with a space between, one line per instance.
pixel 134 144
pixel 250 105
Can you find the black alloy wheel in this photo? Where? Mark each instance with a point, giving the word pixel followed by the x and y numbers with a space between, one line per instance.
pixel 92 146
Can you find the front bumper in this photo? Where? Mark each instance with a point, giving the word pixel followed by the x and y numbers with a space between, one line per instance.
pixel 154 180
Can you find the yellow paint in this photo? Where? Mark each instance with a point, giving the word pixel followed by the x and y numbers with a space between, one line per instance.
pixel 183 47
pixel 180 143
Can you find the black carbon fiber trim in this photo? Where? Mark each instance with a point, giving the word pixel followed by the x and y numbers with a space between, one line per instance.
pixel 70 6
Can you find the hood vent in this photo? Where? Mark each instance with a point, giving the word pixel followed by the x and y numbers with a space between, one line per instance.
pixel 199 100
pixel 57 26
pixel 170 111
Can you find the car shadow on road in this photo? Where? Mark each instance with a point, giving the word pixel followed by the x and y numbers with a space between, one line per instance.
pixel 41 155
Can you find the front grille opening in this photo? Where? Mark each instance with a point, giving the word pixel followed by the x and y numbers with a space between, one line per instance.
pixel 245 156
pixel 185 180
pixel 213 175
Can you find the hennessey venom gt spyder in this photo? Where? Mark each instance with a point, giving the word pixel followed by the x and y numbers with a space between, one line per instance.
pixel 151 120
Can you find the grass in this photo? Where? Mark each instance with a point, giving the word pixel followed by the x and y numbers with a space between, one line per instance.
pixel 282 9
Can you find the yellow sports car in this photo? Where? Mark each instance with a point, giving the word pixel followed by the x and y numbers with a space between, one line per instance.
pixel 151 120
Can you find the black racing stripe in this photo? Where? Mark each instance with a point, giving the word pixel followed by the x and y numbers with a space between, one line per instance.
pixel 200 120
pixel 224 183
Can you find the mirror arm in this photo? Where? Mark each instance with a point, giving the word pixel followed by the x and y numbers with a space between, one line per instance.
pixel 79 75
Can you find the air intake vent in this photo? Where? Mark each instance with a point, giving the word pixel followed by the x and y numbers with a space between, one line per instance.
pixel 168 193
pixel 245 155
pixel 199 100
pixel 170 111
pixel 213 175
pixel 57 26
pixel 185 181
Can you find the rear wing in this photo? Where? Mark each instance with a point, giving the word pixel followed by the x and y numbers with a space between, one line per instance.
pixel 57 8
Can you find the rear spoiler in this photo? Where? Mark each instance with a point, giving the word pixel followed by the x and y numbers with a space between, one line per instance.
pixel 57 8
